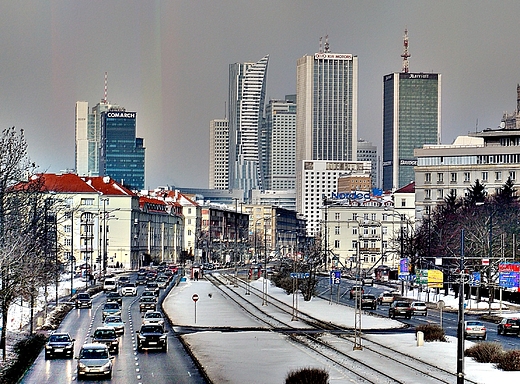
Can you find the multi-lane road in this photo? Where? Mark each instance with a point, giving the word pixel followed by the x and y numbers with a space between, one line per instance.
pixel 130 366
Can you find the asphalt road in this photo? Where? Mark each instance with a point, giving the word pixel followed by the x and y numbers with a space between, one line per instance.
pixel 130 366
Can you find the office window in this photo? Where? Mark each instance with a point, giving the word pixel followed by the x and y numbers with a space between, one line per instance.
pixel 512 175
pixel 336 230
pixel 440 194
pixel 453 177
pixel 337 215
pixel 498 176
pixel 467 177
pixel 427 194
pixel 354 231
pixel 428 177
pixel 88 202
pixel 484 176
pixel 440 177
pixel 336 244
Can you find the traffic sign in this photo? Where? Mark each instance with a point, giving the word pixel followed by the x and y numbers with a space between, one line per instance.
pixel 300 275
pixel 195 297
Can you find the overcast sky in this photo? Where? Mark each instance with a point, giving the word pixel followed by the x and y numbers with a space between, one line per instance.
pixel 168 61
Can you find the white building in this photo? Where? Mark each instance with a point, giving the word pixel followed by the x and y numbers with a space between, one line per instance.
pixel 219 154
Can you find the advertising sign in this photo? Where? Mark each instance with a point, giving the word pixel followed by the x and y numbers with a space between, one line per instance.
pixel 404 269
pixel 509 275
pixel 435 278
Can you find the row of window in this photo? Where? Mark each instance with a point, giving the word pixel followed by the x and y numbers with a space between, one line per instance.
pixel 466 176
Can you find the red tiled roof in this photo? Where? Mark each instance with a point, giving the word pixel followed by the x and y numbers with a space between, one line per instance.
pixel 410 188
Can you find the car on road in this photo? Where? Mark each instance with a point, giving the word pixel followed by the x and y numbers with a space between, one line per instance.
pixel 111 309
pixel 83 300
pixel 59 343
pixel 153 317
pixel 474 329
pixel 152 286
pixel 114 297
pixel 386 298
pixel 368 300
pixel 129 289
pixel 367 280
pixel 152 337
pixel 400 308
pixel 419 308
pixel 147 303
pixel 149 294
pixel 162 281
pixel 123 280
pixel 94 360
pixel 509 325
pixel 115 322
pixel 107 336
pixel 141 280
pixel 110 284
pixel 356 291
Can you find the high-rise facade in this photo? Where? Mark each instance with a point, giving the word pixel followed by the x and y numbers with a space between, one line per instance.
pixel 122 153
pixel 411 118
pixel 366 151
pixel 326 118
pixel 106 144
pixel 279 144
pixel 247 82
pixel 219 154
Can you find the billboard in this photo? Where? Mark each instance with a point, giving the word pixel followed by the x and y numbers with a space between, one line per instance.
pixel 509 275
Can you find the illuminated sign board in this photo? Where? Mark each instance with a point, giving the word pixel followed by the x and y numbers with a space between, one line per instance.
pixel 121 114
pixel 408 162
pixel 337 56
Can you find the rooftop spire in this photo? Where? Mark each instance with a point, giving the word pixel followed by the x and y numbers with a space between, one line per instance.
pixel 105 95
pixel 405 54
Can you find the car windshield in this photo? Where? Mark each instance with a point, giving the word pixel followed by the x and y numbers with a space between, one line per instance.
pixel 105 334
pixel 477 323
pixel 153 315
pixel 113 319
pixel 401 304
pixel 151 329
pixel 83 296
pixel 111 306
pixel 59 338
pixel 94 353
pixel 148 299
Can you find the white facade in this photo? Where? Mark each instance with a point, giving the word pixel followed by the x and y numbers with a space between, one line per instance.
pixel 319 180
pixel 247 82
pixel 82 141
pixel 279 150
pixel 366 151
pixel 489 156
pixel 219 154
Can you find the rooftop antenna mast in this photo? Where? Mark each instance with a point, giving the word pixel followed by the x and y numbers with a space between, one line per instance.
pixel 405 54
pixel 106 89
pixel 327 50
pixel 321 45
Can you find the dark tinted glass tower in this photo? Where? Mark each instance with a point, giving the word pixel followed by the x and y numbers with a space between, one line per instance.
pixel 122 154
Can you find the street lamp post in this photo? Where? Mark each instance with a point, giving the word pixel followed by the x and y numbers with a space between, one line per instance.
pixel 460 327
pixel 264 283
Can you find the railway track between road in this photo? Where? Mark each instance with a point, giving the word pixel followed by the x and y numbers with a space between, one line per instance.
pixel 376 363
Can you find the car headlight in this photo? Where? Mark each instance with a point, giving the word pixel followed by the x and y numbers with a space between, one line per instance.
pixel 81 365
pixel 141 337
pixel 163 337
pixel 106 366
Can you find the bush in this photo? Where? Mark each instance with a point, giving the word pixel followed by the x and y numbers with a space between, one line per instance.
pixel 307 376
pixel 509 361
pixel 486 352
pixel 432 332
pixel 27 350
pixel 283 280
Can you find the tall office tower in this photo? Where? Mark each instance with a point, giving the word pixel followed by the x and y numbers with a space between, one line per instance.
pixel 279 144
pixel 411 118
pixel 218 154
pixel 122 153
pixel 366 151
pixel 88 137
pixel 247 83
pixel 326 118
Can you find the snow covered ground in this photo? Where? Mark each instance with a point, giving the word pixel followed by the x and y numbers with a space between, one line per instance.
pixel 267 357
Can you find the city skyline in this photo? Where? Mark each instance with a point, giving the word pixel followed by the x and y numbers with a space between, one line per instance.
pixel 169 61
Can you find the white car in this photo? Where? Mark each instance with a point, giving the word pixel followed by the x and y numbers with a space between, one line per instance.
pixel 153 318
pixel 129 289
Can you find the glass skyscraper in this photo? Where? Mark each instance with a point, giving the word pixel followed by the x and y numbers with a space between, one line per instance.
pixel 247 82
pixel 411 118
pixel 122 154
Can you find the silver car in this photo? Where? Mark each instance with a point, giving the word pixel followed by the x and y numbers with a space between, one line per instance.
pixel 474 329
pixel 94 360
pixel 419 308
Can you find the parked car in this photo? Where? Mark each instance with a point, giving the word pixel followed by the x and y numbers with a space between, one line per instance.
pixel 474 329
pixel 147 303
pixel 419 308
pixel 111 309
pixel 356 291
pixel 509 325
pixel 129 289
pixel 151 337
pixel 114 297
pixel 400 308
pixel 107 336
pixel 59 343
pixel 115 322
pixel 386 298
pixel 368 300
pixel 153 317
pixel 94 359
pixel 83 300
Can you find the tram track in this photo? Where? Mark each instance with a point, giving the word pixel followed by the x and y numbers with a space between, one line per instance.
pixel 329 341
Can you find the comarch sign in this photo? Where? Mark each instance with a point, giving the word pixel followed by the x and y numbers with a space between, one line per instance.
pixel 124 115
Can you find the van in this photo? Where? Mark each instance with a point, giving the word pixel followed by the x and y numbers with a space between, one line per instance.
pixel 110 285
